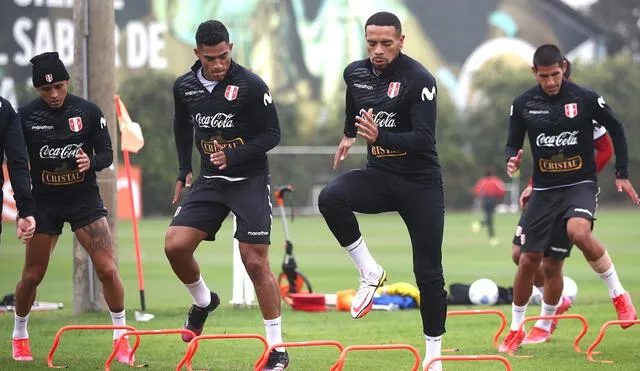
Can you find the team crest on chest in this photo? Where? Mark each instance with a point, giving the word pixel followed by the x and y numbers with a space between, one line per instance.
pixel 393 90
pixel 75 124
pixel 231 93
pixel 571 110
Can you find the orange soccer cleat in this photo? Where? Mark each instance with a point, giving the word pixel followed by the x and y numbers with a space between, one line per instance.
pixel 537 336
pixel 124 350
pixel 565 304
pixel 511 342
pixel 625 308
pixel 21 349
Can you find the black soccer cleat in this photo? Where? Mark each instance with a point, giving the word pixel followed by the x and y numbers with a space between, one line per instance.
pixel 278 361
pixel 197 317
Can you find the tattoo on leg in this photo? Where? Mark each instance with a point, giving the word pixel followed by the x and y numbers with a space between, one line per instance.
pixel 100 237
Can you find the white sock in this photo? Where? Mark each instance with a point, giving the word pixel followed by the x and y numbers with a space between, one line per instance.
pixel 610 278
pixel 434 349
pixel 541 289
pixel 517 316
pixel 118 319
pixel 199 292
pixel 273 329
pixel 20 327
pixel 546 310
pixel 361 256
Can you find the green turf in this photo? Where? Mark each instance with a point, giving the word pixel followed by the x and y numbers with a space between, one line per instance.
pixel 467 257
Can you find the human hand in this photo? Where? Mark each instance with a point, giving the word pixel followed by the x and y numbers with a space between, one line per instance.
pixel 342 151
pixel 624 185
pixel 366 126
pixel 179 186
pixel 524 196
pixel 83 161
pixel 513 165
pixel 26 228
pixel 218 158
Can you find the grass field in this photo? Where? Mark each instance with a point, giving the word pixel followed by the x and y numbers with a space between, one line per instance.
pixel 467 257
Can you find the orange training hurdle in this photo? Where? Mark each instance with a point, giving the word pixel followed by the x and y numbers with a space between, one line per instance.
pixel 193 345
pixel 137 333
pixel 265 356
pixel 604 327
pixel 56 339
pixel 505 361
pixel 339 365
pixel 503 319
pixel 576 342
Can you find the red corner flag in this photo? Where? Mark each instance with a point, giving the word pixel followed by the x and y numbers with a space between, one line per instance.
pixel 131 139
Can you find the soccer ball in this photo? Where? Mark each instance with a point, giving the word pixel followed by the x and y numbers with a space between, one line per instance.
pixel 570 288
pixel 483 292
pixel 536 296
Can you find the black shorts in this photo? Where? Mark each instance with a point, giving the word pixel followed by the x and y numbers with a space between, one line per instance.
pixel 52 211
pixel 545 220
pixel 211 199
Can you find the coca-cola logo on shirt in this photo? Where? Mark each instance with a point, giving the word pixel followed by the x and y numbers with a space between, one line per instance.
pixel 385 119
pixel 63 153
pixel 566 138
pixel 217 121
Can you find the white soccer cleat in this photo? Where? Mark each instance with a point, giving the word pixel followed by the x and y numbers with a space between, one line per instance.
pixel 363 300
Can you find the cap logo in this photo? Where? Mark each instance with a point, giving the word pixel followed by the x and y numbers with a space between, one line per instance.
pixel 48 77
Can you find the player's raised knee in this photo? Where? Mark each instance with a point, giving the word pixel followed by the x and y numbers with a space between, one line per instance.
pixel 172 245
pixel 328 198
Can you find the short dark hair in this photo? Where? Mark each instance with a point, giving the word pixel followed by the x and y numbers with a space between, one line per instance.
pixel 567 72
pixel 547 55
pixel 211 33
pixel 384 19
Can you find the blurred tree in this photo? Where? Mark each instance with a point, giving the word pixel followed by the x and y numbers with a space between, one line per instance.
pixel 149 100
pixel 621 18
pixel 486 123
pixel 618 80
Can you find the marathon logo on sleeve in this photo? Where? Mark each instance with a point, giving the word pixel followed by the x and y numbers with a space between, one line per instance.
pixel 60 178
pixel 209 148
pixel 559 164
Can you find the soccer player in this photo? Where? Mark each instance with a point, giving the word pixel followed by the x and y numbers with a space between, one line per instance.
pixel 558 117
pixel 67 142
pixel 235 123
pixel 490 190
pixel 391 104
pixel 603 153
pixel 12 144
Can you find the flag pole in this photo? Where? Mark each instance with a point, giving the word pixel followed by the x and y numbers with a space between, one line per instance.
pixel 125 122
pixel 134 224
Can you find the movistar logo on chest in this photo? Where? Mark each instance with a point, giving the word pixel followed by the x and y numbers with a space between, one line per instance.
pixel 217 121
pixel 362 86
pixel 63 153
pixel 566 138
pixel 385 119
